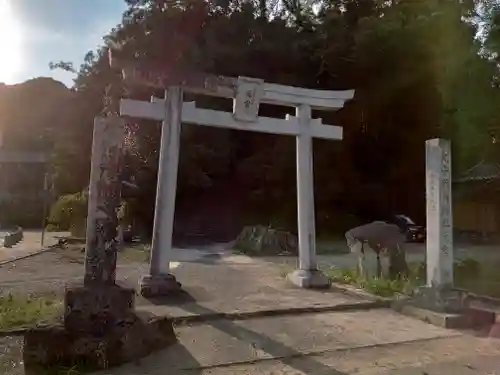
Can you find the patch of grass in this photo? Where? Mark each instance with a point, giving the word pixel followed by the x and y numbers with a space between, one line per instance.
pixel 382 287
pixel 26 311
pixel 468 274
pixel 135 254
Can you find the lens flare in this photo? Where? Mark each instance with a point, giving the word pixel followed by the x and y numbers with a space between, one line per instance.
pixel 10 43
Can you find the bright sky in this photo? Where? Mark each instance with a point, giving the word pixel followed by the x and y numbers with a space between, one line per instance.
pixel 36 32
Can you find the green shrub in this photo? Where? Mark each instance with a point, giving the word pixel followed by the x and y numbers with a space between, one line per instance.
pixel 69 212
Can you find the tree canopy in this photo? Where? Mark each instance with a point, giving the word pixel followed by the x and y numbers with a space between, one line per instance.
pixel 420 68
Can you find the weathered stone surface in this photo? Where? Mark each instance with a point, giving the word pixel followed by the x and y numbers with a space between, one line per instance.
pixel 13 237
pixel 446 307
pixel 159 285
pixel 260 240
pixel 440 299
pixel 439 244
pixel 129 339
pixel 477 318
pixel 94 309
pixel 104 201
pixel 100 330
pixel 309 279
pixel 454 305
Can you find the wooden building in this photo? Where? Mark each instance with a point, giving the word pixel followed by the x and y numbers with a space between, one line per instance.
pixel 476 200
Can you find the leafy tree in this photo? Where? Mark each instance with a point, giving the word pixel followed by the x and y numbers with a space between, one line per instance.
pixel 421 69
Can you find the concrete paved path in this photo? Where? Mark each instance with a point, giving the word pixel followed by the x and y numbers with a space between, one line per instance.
pixel 358 341
pixel 373 341
pixel 365 343
pixel 238 285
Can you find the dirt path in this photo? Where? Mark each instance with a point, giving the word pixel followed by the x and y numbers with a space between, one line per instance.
pixel 31 243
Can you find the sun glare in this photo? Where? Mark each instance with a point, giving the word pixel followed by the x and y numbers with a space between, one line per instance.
pixel 10 43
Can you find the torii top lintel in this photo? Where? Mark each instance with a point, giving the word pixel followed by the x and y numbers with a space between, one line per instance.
pixel 220 86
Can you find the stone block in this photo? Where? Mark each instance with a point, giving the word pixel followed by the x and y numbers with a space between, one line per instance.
pixel 440 299
pixel 159 285
pixel 477 318
pixel 440 319
pixel 13 237
pixel 309 279
pixel 132 339
pixel 447 308
pixel 94 309
pixel 100 330
pixel 467 319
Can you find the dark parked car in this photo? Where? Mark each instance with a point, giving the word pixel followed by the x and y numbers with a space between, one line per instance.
pixel 412 231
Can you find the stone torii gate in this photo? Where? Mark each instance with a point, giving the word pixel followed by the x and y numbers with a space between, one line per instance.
pixel 247 94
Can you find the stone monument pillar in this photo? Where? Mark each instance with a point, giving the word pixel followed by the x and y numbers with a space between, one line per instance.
pixel 103 203
pixel 100 326
pixel 450 307
pixel 439 244
pixel 439 294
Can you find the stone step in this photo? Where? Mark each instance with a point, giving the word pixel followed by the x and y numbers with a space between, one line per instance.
pixel 374 339
pixel 469 318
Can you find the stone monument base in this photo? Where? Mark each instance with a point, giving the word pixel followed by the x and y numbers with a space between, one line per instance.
pixel 309 279
pixel 440 299
pixel 446 307
pixel 159 285
pixel 100 330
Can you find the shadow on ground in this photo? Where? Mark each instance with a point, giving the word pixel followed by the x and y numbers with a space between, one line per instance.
pixel 179 360
pixel 155 363
pixel 276 349
pixel 192 301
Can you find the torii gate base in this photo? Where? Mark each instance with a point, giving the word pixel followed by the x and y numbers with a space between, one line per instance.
pixel 101 328
pixel 309 279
